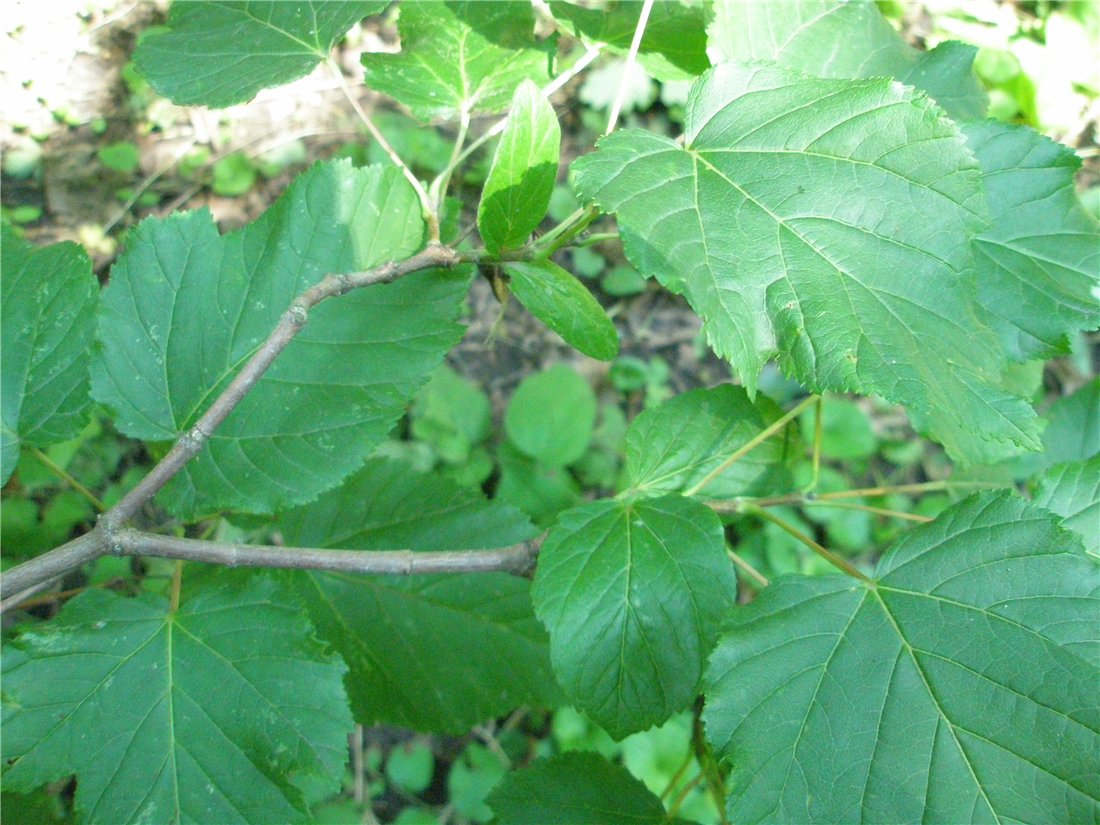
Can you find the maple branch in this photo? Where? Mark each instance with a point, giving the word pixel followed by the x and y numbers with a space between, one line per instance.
pixel 104 537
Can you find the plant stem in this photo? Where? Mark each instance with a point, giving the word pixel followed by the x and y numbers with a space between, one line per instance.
pixel 825 553
pixel 427 207
pixel 177 586
pixel 818 433
pixel 751 445
pixel 61 473
pixel 438 189
pixel 866 508
pixel 748 568
pixel 631 58
pixel 676 777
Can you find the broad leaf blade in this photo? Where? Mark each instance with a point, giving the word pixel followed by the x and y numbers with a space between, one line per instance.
pixel 47 304
pixel 632 595
pixel 959 688
pixel 220 53
pixel 564 304
pixel 674 41
pixel 819 37
pixel 459 57
pixel 828 221
pixel 574 787
pixel 1072 490
pixel 211 714
pixel 186 308
pixel 1039 261
pixel 438 653
pixel 551 416
pixel 521 179
pixel 674 446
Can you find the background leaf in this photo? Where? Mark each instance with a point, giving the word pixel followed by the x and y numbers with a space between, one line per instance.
pixel 551 416
pixel 435 653
pixel 672 447
pixel 564 304
pixel 47 306
pixel 632 594
pixel 828 221
pixel 1040 258
pixel 212 714
pixel 571 788
pixel 459 57
pixel 1072 490
pixel 186 307
pixel 220 53
pixel 957 688
pixel 521 179
pixel 817 36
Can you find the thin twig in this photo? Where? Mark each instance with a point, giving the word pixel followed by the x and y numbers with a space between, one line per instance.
pixel 866 508
pixel 824 552
pixel 748 568
pixel 61 473
pixel 631 58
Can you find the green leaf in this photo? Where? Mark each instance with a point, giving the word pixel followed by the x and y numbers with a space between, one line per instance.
pixel 551 416
pixel 674 41
pixel 564 304
pixel 221 53
pixel 818 37
pixel 1073 431
pixel 829 221
pixel 672 447
pixel 187 307
pixel 452 414
pixel 459 57
pixel 521 179
pixel 846 431
pixel 1072 490
pixel 1040 258
pixel 632 595
pixel 540 492
pixel 438 653
pixel 571 788
pixel 410 766
pixel 958 687
pixel 214 713
pixel 47 305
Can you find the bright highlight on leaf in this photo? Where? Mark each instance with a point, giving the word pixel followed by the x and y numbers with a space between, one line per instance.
pixel 829 222
pixel 960 687
pixel 459 57
pixel 47 306
pixel 434 653
pixel 521 179
pixel 220 712
pixel 632 595
pixel 850 40
pixel 220 53
pixel 186 307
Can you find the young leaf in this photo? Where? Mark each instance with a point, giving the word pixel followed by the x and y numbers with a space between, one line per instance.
pixel 438 653
pixel 957 687
pixel 671 447
pixel 47 309
pixel 817 37
pixel 187 307
pixel 521 179
pixel 551 416
pixel 219 54
pixel 219 712
pixel 564 304
pixel 1040 258
pixel 459 57
pixel 574 787
pixel 831 221
pixel 632 594
pixel 1072 490
pixel 674 44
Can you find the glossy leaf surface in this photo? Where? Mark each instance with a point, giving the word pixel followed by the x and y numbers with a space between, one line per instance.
pixel 187 307
pixel 957 688
pixel 1040 259
pixel 565 305
pixel 220 53
pixel 47 302
pixel 459 57
pixel 850 40
pixel 435 653
pixel 521 179
pixel 632 595
pixel 673 447
pixel 211 714
pixel 829 222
